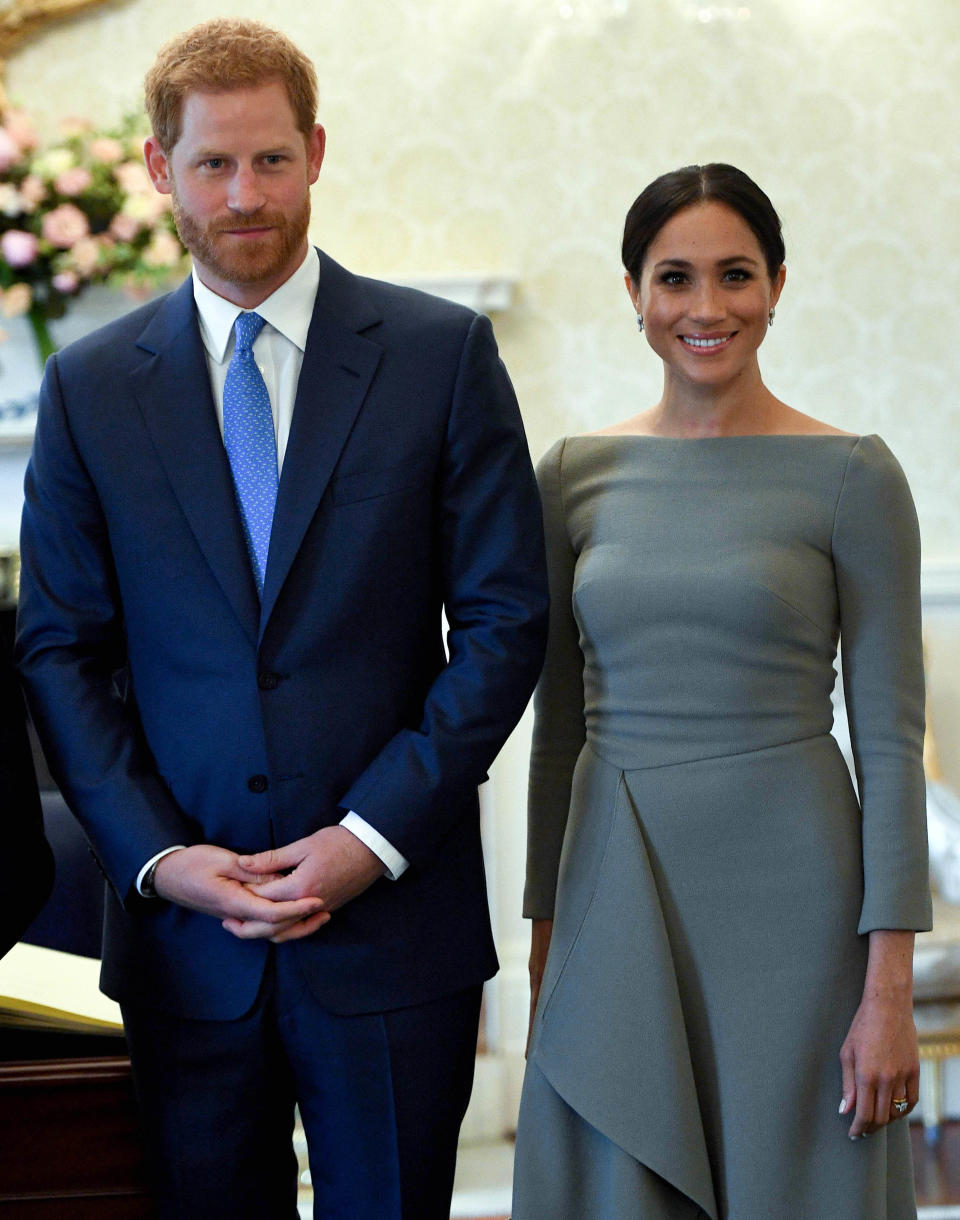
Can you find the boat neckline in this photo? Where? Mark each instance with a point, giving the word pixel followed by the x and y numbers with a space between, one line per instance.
pixel 737 436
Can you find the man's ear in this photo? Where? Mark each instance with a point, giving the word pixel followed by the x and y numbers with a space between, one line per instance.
pixel 316 144
pixel 157 165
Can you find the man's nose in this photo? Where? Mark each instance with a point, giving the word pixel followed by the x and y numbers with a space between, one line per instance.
pixel 245 193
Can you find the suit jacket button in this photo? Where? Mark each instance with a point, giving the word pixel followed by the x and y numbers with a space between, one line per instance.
pixel 268 680
pixel 258 783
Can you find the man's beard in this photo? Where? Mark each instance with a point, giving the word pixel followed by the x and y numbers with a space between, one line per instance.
pixel 250 261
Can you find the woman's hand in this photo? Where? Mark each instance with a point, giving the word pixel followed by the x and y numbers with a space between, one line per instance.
pixel 540 932
pixel 879 1056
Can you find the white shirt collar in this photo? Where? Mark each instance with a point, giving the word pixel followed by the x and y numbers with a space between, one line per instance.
pixel 288 310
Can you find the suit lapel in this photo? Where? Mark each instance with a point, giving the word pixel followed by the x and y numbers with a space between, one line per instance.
pixel 338 366
pixel 172 387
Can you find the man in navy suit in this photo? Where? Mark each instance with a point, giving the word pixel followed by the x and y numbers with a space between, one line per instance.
pixel 234 656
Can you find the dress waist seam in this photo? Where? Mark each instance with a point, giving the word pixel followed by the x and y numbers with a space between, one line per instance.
pixel 701 758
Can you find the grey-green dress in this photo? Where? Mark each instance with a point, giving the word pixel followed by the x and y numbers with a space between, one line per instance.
pixel 717 876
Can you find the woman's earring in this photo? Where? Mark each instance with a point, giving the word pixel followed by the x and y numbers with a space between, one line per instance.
pixel 640 321
pixel 770 316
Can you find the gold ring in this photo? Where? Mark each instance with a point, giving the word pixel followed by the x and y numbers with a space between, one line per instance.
pixel 901 1105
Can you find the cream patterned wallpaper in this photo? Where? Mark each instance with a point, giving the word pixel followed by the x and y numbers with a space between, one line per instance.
pixel 511 135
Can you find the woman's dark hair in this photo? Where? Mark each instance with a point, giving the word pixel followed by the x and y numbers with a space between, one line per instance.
pixel 719 183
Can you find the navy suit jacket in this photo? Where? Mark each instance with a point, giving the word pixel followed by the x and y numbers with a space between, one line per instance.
pixel 175 708
pixel 29 872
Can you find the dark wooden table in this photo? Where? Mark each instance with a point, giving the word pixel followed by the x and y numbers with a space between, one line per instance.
pixel 69 1146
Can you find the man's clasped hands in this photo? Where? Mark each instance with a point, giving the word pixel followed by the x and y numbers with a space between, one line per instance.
pixel 282 894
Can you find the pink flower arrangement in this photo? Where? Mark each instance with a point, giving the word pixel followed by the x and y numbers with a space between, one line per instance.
pixel 20 127
pixel 133 177
pixel 19 248
pixel 64 226
pixel 79 211
pixel 106 149
pixel 124 227
pixel 66 282
pixel 17 299
pixel 73 181
pixel 9 150
pixel 32 190
pixel 85 256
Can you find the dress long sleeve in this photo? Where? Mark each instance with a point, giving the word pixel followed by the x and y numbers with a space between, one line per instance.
pixel 876 550
pixel 559 731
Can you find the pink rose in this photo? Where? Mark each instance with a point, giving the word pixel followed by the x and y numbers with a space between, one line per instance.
pixel 133 178
pixel 9 150
pixel 66 282
pixel 106 150
pixel 123 227
pixel 85 256
pixel 73 126
pixel 16 300
pixel 145 209
pixel 65 226
pixel 12 202
pixel 21 129
pixel 73 181
pixel 163 251
pixel 33 190
pixel 18 248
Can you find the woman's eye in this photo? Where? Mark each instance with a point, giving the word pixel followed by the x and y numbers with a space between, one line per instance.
pixel 672 278
pixel 738 274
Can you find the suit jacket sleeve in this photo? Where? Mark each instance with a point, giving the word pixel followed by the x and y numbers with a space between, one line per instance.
pixel 30 862
pixel 71 653
pixel 495 597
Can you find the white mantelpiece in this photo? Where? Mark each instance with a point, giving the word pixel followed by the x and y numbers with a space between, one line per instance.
pixel 487 294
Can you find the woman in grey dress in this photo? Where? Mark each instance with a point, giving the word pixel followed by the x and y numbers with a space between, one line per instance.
pixel 722 936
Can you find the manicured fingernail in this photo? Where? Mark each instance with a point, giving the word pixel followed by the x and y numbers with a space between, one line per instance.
pixel 844 1105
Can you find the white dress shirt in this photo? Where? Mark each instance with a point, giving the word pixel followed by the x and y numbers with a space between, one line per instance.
pixel 278 351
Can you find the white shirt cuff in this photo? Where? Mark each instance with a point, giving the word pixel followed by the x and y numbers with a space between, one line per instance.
pixel 395 864
pixel 153 859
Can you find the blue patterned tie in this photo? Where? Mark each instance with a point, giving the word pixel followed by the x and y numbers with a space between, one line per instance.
pixel 251 443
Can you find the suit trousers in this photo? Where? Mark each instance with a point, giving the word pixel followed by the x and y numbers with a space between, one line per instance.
pixel 381 1097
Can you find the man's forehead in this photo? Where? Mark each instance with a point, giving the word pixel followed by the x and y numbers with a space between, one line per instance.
pixel 270 92
pixel 247 111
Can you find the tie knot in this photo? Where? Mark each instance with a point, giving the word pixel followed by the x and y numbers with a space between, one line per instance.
pixel 246 328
